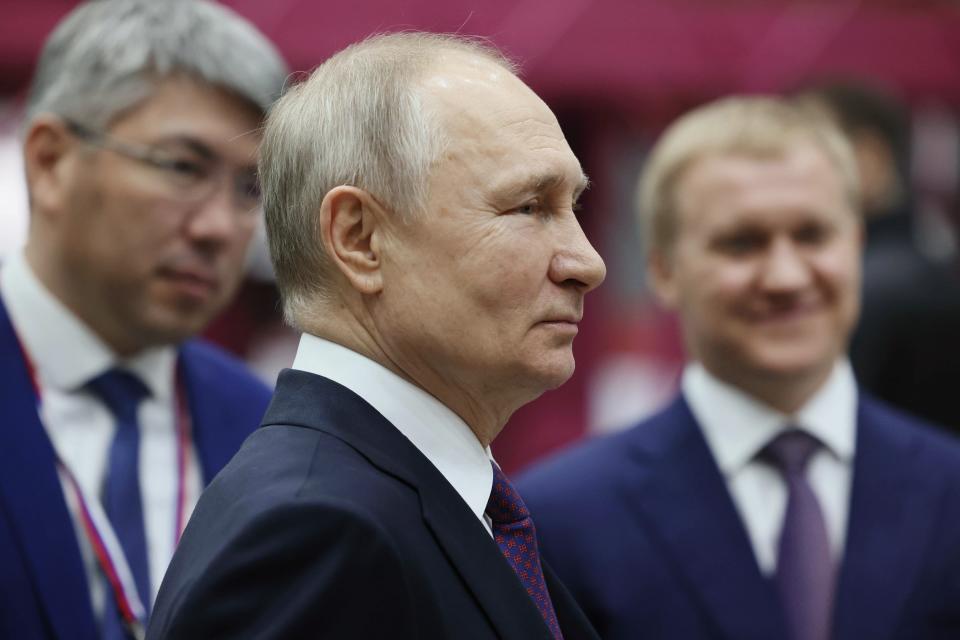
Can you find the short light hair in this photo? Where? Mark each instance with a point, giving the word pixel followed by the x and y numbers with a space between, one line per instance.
pixel 757 126
pixel 361 119
pixel 106 57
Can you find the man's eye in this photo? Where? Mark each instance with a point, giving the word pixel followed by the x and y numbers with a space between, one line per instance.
pixel 740 244
pixel 252 188
pixel 248 186
pixel 529 209
pixel 187 169
pixel 812 234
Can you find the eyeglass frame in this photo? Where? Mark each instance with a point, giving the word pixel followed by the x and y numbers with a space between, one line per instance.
pixel 214 168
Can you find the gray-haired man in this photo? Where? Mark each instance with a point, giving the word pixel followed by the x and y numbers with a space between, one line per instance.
pixel 140 152
pixel 420 209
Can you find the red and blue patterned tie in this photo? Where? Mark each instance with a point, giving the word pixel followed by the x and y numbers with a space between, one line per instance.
pixel 517 538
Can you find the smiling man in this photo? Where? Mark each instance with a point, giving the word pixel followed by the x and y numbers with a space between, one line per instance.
pixel 772 498
pixel 140 147
pixel 420 211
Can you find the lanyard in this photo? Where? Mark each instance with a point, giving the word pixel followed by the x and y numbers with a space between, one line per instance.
pixel 110 557
pixel 96 525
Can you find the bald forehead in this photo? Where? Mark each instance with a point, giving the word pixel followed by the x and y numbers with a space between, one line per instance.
pixel 470 94
pixel 454 67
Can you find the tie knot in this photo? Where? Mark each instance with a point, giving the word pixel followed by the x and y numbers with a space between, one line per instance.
pixel 790 451
pixel 505 505
pixel 121 392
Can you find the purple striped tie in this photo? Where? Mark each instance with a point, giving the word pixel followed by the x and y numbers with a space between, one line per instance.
pixel 517 538
pixel 805 569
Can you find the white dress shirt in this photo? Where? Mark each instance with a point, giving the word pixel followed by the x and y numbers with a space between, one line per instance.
pixel 737 427
pixel 439 433
pixel 65 355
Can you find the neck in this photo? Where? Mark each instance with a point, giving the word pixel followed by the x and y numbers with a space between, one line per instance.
pixel 481 411
pixel 786 393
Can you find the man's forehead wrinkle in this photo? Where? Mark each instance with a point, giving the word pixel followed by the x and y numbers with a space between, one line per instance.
pixel 520 118
pixel 549 135
pixel 547 147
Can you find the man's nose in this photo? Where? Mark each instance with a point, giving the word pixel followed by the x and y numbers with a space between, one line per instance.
pixel 220 215
pixel 576 261
pixel 785 269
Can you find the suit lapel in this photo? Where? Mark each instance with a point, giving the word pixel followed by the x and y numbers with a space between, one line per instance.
pixel 216 439
pixel 33 498
pixel 680 495
pixel 479 562
pixel 492 581
pixel 314 401
pixel 893 506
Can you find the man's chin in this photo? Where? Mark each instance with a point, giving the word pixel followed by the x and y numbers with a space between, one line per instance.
pixel 557 373
pixel 171 327
pixel 793 365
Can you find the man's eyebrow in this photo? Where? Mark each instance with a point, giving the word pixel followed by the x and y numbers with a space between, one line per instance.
pixel 189 142
pixel 193 144
pixel 201 148
pixel 583 186
pixel 540 182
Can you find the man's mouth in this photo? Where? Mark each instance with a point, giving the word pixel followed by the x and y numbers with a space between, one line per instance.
pixel 192 282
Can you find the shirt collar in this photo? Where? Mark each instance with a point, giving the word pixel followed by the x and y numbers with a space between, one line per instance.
pixel 439 433
pixel 737 427
pixel 65 352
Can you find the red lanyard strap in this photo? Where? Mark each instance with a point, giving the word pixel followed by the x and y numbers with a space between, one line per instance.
pixel 110 557
pixel 96 526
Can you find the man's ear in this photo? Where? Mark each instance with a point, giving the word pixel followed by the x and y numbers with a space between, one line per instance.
pixel 660 275
pixel 351 228
pixel 46 159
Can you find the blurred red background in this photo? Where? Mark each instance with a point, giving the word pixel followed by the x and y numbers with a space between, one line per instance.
pixel 615 72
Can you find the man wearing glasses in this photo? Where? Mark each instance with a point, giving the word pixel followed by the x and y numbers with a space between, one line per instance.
pixel 140 146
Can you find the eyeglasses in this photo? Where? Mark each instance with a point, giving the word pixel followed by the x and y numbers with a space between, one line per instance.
pixel 190 177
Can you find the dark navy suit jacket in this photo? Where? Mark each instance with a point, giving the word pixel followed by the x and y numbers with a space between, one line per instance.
pixel 641 528
pixel 329 523
pixel 44 592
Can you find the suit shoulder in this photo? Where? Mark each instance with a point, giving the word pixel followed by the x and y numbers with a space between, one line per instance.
pixel 216 369
pixel 935 444
pixel 288 463
pixel 316 520
pixel 590 455
pixel 211 359
pixel 238 582
pixel 596 464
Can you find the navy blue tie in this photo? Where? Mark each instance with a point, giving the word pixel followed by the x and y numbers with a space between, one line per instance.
pixel 122 392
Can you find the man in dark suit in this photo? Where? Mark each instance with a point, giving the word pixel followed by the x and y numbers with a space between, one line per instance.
pixel 419 203
pixel 772 498
pixel 140 154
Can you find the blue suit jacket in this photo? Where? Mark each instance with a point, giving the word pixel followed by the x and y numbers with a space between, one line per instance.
pixel 641 528
pixel 329 523
pixel 44 591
